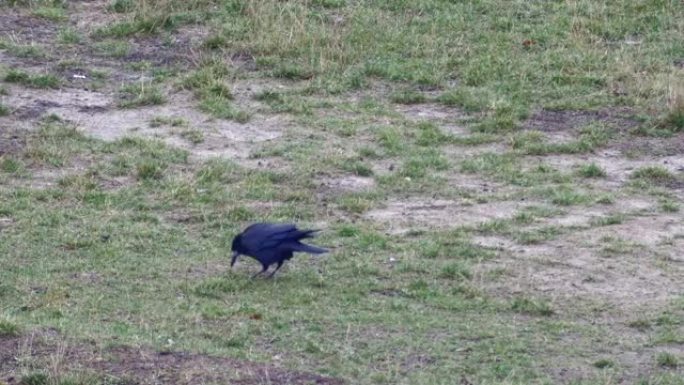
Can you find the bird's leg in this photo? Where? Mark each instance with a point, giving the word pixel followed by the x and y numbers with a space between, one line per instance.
pixel 276 269
pixel 262 271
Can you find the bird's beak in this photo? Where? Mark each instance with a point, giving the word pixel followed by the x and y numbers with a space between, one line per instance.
pixel 235 256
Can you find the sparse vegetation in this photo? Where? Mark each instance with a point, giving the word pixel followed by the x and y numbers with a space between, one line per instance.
pixel 457 155
pixel 37 81
pixel 668 360
pixel 142 94
pixel 591 170
pixel 657 175
pixel 533 307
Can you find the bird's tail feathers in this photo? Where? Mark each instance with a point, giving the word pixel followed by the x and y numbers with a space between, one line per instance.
pixel 309 233
pixel 307 248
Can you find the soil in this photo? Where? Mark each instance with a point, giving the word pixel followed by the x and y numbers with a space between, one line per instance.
pixel 648 273
pixel 137 365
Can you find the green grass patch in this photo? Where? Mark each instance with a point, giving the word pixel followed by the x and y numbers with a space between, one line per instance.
pixel 667 360
pixel 140 94
pixel 653 173
pixel 209 83
pixel 31 80
pixel 591 170
pixel 407 96
pixel 53 13
pixel 69 35
pixel 532 307
pixel 534 142
pixel 112 48
pixel 8 328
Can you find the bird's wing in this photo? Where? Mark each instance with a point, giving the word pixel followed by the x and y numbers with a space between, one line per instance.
pixel 262 236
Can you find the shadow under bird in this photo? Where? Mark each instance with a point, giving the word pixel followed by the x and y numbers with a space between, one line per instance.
pixel 271 243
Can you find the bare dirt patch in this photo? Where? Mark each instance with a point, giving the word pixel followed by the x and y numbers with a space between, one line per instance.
pixel 564 120
pixel 655 147
pixel 399 216
pixel 96 115
pixel 137 365
pixel 635 264
pixel 617 167
pixel 11 140
pixel 430 112
pixel 96 112
pixel 348 183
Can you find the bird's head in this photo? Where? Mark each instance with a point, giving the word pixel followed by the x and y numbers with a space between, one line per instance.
pixel 236 248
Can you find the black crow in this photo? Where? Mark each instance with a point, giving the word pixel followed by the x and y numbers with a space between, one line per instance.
pixel 271 243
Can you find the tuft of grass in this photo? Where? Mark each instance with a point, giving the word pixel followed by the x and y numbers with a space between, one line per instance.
pixel 8 328
pixel 357 203
pixel 469 99
pixel 281 102
pixel 430 135
pixel 112 48
pixel 567 196
pixel 209 84
pixel 195 136
pixel 608 220
pixel 640 324
pixel 423 164
pixel 35 81
pixel 591 170
pixel 407 96
pixel 53 13
pixel 657 175
pixel 149 170
pixel 10 165
pixel 673 120
pixel 356 167
pixel 69 35
pixel 604 363
pixel 532 307
pixel 669 206
pixel 215 42
pixel 34 51
pixel 391 139
pixel 122 6
pixel 142 94
pixel 455 271
pixel 223 109
pixel 292 71
pixel 4 110
pixel 36 378
pixel 159 121
pixel 591 137
pixel 668 360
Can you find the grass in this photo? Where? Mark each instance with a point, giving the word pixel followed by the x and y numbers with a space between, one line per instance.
pixel 31 80
pixel 591 170
pixel 668 360
pixel 127 240
pixel 532 307
pixel 590 138
pixel 209 83
pixel 653 174
pixel 142 94
pixel 8 328
pixel 53 13
pixel 112 48
pixel 69 36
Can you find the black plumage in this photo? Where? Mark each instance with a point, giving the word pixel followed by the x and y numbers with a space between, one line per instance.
pixel 271 243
